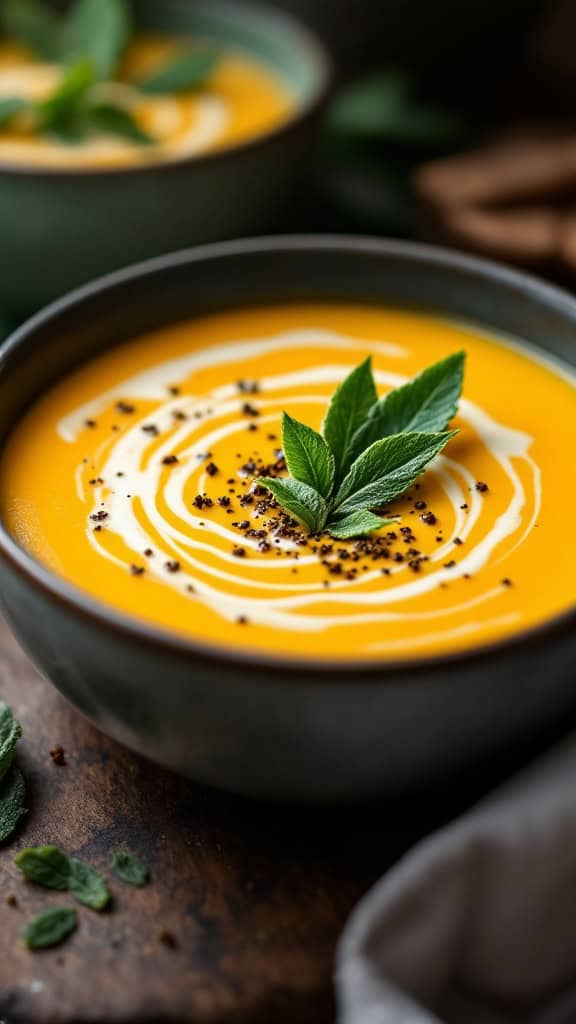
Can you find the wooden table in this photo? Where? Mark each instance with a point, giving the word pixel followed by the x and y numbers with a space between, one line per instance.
pixel 255 895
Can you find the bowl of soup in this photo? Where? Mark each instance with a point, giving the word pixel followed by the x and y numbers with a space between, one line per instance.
pixel 145 569
pixel 196 130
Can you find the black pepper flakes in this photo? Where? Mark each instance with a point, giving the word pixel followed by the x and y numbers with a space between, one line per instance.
pixel 137 570
pixel 125 408
pixel 169 460
pixel 212 469
pixel 239 552
pixel 58 756
pixel 481 486
pixel 172 566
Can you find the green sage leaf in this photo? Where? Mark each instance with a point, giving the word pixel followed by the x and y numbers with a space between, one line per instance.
pixel 10 107
pixel 386 470
pixel 12 796
pixel 308 456
pixel 63 111
pixel 346 412
pixel 300 500
pixel 45 865
pixel 357 524
pixel 87 886
pixel 10 733
pixel 129 868
pixel 98 31
pixel 50 928
pixel 186 71
pixel 424 405
pixel 116 120
pixel 34 24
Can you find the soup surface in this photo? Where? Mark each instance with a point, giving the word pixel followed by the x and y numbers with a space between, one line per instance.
pixel 136 478
pixel 240 100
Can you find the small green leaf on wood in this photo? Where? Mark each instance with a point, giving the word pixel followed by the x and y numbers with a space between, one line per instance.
pixel 187 71
pixel 50 928
pixel 12 797
pixel 45 865
pixel 87 886
pixel 358 524
pixel 308 456
pixel 129 868
pixel 10 733
pixel 300 500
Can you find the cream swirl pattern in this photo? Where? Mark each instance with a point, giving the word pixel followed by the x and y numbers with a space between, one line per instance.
pixel 148 507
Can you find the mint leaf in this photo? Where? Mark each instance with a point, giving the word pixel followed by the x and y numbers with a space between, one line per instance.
pixel 87 885
pixel 33 24
pixel 129 868
pixel 12 796
pixel 357 524
pixel 45 865
pixel 424 405
pixel 386 470
pixel 300 500
pixel 62 112
pixel 348 409
pixel 10 733
pixel 10 107
pixel 115 120
pixel 184 72
pixel 50 928
pixel 307 455
pixel 97 30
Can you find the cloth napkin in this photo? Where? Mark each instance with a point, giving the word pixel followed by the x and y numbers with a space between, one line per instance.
pixel 477 924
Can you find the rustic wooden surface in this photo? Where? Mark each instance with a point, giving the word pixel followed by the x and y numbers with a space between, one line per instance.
pixel 255 895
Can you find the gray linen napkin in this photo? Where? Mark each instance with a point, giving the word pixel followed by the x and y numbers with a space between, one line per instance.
pixel 476 925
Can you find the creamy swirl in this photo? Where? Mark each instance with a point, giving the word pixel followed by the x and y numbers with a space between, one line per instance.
pixel 147 504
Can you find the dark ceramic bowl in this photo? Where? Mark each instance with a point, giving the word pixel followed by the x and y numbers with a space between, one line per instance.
pixel 61 228
pixel 265 725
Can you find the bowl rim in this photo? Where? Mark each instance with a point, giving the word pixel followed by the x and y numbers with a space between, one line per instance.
pixel 309 42
pixel 131 629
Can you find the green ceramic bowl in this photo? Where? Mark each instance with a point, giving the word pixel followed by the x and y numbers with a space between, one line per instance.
pixel 272 725
pixel 61 228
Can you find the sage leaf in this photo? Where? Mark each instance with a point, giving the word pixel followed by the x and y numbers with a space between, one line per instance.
pixel 357 524
pixel 50 928
pixel 45 865
pixel 34 24
pixel 300 500
pixel 10 733
pixel 423 405
pixel 185 72
pixel 87 886
pixel 346 412
pixel 98 31
pixel 116 120
pixel 10 107
pixel 62 112
pixel 12 796
pixel 130 868
pixel 308 456
pixel 386 470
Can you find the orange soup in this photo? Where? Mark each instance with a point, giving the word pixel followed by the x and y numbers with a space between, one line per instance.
pixel 240 100
pixel 136 479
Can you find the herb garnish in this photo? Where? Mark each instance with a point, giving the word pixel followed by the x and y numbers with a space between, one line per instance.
pixel 89 42
pixel 51 868
pixel 12 785
pixel 50 928
pixel 370 450
pixel 129 868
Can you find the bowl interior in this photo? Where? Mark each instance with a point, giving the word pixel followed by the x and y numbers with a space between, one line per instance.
pixel 261 271
pixel 273 38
